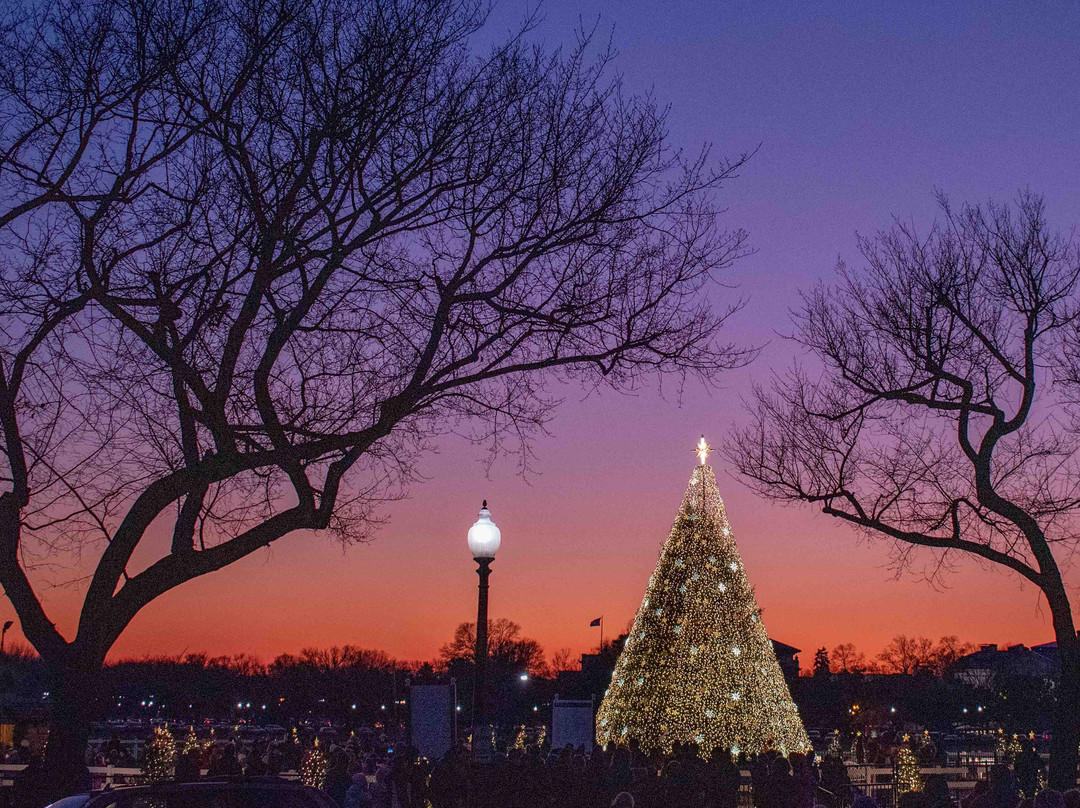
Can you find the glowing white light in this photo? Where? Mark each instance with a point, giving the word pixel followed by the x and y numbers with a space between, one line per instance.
pixel 484 536
pixel 703 450
pixel 722 587
pixel 734 567
pixel 736 650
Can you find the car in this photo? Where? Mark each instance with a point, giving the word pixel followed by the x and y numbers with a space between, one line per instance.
pixel 258 792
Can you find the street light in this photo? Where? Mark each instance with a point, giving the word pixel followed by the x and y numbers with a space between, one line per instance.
pixel 484 540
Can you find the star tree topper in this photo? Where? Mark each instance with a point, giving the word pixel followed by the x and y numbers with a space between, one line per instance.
pixel 703 450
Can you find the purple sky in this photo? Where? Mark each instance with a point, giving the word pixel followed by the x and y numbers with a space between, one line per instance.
pixel 861 111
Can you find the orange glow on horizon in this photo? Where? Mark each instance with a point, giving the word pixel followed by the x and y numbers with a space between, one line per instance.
pixel 582 540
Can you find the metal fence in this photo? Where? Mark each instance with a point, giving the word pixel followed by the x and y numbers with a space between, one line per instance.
pixel 101 776
pixel 877 782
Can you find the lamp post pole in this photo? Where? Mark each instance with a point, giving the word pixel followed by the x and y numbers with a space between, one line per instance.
pixel 484 540
pixel 483 570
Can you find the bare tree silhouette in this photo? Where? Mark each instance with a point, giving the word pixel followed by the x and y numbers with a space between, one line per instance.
pixel 256 256
pixel 928 413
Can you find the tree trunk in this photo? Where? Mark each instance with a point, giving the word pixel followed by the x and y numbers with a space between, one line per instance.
pixel 1066 717
pixel 74 704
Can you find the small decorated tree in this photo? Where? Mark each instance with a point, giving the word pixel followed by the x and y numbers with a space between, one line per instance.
pixel 908 779
pixel 314 767
pixel 834 749
pixel 191 742
pixel 160 758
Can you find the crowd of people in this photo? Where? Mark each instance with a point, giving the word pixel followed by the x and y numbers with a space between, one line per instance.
pixel 361 774
pixel 627 777
pixel 535 776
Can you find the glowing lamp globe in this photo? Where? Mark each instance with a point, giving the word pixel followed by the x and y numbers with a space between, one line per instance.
pixel 484 535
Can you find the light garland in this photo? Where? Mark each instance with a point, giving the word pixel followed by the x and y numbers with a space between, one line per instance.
pixel 701 667
pixel 160 757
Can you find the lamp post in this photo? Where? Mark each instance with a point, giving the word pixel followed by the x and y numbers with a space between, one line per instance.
pixel 484 540
pixel 3 634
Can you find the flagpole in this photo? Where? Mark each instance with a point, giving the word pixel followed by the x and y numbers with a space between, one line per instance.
pixel 601 634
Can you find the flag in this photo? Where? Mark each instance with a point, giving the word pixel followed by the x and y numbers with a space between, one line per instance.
pixel 595 622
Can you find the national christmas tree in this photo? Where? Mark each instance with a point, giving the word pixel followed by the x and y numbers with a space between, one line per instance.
pixel 698 664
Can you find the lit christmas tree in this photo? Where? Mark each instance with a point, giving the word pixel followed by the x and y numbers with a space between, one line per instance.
pixel 907 778
pixel 314 767
pixel 698 664
pixel 191 742
pixel 160 756
pixel 834 749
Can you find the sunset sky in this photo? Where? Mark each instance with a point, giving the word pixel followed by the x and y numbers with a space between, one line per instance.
pixel 860 114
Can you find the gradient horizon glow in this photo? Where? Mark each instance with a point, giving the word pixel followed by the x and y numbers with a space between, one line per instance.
pixel 860 114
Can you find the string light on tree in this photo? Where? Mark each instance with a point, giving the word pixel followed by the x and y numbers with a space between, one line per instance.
pixel 834 749
pixel 907 778
pixel 314 768
pixel 160 756
pixel 707 666
pixel 191 742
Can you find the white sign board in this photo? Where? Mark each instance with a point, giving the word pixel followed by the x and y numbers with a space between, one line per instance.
pixel 572 723
pixel 432 719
